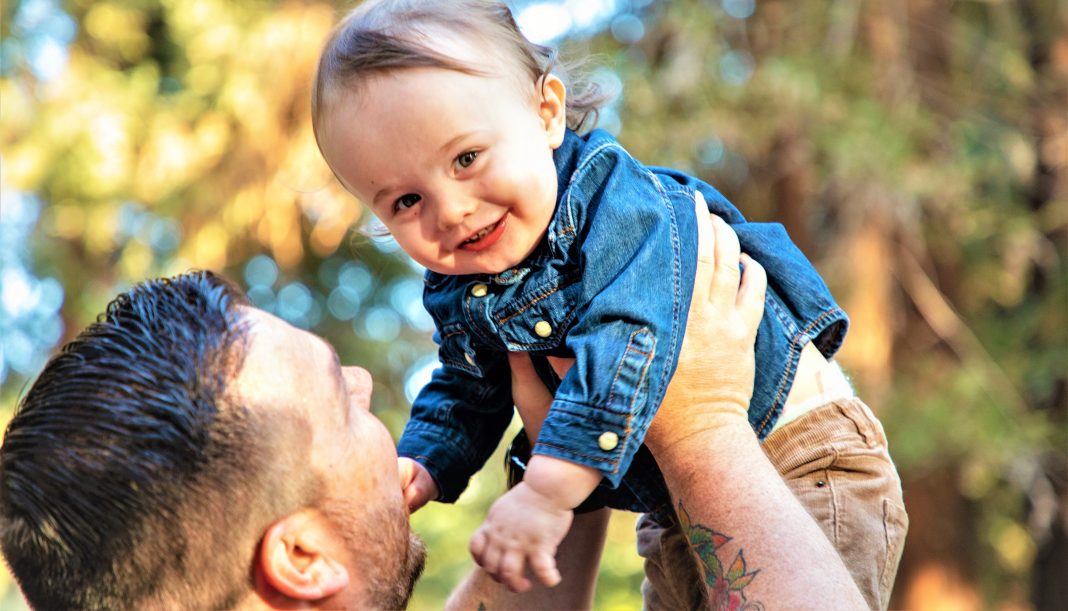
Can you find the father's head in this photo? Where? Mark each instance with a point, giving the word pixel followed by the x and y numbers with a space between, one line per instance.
pixel 190 451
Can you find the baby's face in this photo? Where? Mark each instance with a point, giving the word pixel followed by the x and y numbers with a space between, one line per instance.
pixel 458 167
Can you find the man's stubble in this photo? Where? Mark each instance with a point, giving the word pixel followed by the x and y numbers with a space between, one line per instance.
pixel 389 555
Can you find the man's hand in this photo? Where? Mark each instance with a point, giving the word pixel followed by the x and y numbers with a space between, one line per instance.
pixel 419 488
pixel 712 386
pixel 522 526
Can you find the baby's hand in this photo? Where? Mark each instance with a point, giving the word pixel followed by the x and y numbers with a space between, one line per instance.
pixel 419 488
pixel 522 525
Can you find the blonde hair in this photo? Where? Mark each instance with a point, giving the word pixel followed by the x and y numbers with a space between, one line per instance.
pixel 383 35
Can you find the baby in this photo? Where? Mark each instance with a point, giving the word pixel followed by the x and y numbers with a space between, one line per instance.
pixel 561 248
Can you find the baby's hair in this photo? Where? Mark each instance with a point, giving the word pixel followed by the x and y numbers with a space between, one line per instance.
pixel 383 35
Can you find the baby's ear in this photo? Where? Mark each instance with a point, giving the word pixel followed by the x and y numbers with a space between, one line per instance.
pixel 553 109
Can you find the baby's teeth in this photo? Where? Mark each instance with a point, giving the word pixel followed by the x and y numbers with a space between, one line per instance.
pixel 478 236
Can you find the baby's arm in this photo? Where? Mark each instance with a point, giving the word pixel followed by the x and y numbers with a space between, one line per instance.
pixel 456 422
pixel 529 521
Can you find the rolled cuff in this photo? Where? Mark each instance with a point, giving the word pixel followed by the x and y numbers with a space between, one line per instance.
pixel 593 437
pixel 441 458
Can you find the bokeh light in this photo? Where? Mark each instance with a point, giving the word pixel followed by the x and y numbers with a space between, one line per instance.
pixel 739 9
pixel 261 270
pixel 419 376
pixel 42 33
pixel 381 324
pixel 736 67
pixel 628 28
pixel 30 325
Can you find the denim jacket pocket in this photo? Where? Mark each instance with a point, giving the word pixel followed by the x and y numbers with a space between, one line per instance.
pixel 540 319
pixel 456 350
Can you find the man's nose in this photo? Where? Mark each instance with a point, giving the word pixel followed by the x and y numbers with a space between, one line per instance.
pixel 359 384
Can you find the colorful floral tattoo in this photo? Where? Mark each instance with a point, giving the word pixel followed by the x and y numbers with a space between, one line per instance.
pixel 726 586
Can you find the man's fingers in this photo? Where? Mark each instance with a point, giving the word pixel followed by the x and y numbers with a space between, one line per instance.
pixel 544 568
pixel 705 237
pixel 706 244
pixel 751 292
pixel 727 251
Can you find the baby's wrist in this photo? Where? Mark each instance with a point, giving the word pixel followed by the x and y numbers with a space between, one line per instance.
pixel 563 483
pixel 541 499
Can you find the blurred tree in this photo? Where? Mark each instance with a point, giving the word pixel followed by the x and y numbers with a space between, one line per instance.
pixel 916 150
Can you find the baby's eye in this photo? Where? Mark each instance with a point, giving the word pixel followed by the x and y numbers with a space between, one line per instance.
pixel 406 201
pixel 466 159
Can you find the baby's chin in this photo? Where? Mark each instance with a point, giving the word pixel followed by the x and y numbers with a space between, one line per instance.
pixel 488 266
pixel 490 262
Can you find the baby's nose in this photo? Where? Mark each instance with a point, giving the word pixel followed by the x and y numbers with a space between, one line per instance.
pixel 453 210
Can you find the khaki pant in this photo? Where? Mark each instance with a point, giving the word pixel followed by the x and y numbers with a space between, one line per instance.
pixel 835 460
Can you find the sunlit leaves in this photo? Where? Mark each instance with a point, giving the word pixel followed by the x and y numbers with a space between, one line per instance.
pixel 194 109
pixel 118 31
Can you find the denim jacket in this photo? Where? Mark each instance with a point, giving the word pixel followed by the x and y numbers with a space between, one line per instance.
pixel 609 285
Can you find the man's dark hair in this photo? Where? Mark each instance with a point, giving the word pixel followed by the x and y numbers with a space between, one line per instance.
pixel 126 477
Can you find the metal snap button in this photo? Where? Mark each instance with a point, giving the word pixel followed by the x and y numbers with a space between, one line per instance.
pixel 543 328
pixel 608 441
pixel 479 290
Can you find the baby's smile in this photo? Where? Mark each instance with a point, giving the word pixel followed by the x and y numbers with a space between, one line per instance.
pixel 485 237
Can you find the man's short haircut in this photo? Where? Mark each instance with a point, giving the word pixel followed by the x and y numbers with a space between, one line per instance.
pixel 127 478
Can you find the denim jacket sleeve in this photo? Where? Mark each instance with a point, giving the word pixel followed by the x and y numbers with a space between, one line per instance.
pixel 636 285
pixel 459 417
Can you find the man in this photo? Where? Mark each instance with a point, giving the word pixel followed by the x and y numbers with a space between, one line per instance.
pixel 190 451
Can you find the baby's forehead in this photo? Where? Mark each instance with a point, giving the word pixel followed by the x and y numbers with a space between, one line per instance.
pixel 477 52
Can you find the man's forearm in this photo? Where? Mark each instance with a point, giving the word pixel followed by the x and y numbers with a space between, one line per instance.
pixel 753 540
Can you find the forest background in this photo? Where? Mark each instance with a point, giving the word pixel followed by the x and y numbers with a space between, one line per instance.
pixel 916 150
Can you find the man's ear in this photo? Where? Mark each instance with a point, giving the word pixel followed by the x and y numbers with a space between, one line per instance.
pixel 296 558
pixel 553 109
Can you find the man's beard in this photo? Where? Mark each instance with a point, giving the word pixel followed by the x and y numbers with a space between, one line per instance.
pixel 405 582
pixel 390 556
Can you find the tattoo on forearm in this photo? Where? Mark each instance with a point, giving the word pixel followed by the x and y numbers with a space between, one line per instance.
pixel 726 584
